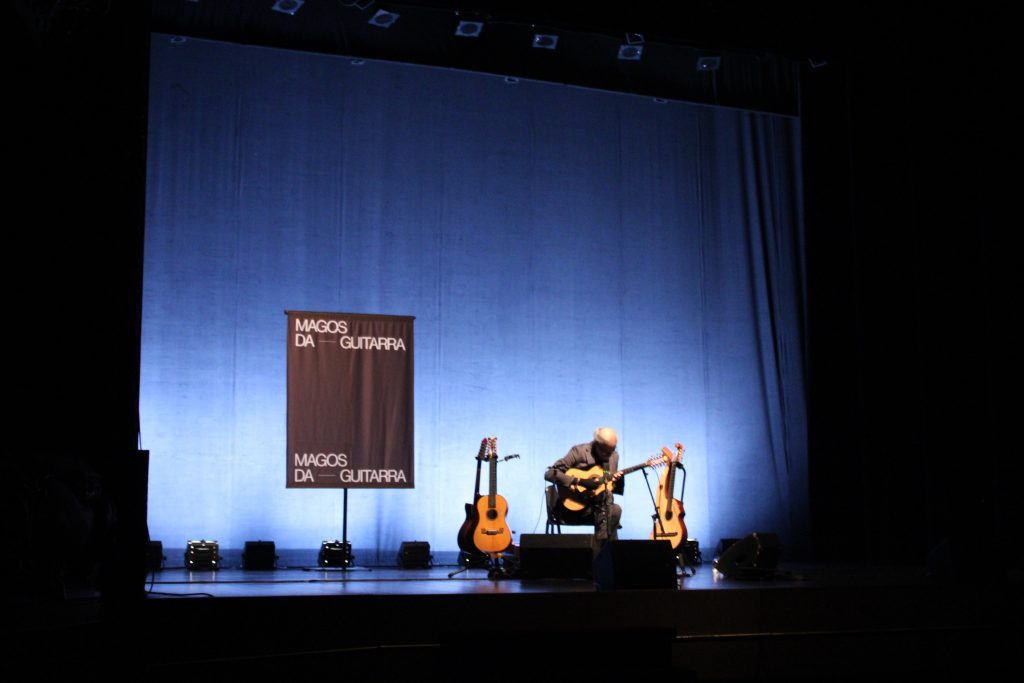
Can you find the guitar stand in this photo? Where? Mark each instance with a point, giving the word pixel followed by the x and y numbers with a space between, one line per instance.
pixel 687 570
pixel 498 566
pixel 469 560
pixel 500 569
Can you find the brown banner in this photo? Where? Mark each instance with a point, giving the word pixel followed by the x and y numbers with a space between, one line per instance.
pixel 350 400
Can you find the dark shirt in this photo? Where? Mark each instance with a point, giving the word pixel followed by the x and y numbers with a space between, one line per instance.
pixel 581 457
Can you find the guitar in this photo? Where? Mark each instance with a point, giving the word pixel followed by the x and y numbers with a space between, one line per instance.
pixel 669 525
pixel 492 534
pixel 577 497
pixel 469 526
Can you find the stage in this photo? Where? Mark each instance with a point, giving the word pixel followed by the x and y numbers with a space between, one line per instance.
pixel 814 621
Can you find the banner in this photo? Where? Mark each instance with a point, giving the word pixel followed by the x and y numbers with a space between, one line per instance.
pixel 350 400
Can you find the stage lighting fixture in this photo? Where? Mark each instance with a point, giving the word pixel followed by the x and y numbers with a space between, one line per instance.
pixel 545 41
pixel 202 555
pixel 633 50
pixel 469 29
pixel 288 6
pixel 754 556
pixel 709 63
pixel 335 554
pixel 259 555
pixel 383 18
pixel 631 53
pixel 414 555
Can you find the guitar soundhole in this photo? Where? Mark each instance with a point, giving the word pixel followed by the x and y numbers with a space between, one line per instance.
pixel 492 514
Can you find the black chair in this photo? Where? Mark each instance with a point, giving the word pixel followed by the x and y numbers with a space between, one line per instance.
pixel 556 516
pixel 559 516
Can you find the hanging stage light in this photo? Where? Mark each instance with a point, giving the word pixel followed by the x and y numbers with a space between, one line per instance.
pixel 383 18
pixel 545 41
pixel 469 29
pixel 288 6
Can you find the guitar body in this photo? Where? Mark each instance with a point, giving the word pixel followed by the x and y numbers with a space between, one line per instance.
pixel 467 529
pixel 669 526
pixel 576 498
pixel 491 534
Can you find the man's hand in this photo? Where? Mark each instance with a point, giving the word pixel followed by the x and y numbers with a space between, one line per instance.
pixel 589 484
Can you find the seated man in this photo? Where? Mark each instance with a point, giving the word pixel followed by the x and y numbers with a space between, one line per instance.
pixel 592 466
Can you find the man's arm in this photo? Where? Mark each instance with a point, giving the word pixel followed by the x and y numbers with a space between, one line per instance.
pixel 556 473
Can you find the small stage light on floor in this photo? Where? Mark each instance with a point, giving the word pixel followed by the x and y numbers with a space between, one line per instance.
pixel 414 555
pixel 383 19
pixel 155 556
pixel 545 41
pixel 202 555
pixel 469 29
pixel 633 49
pixel 335 554
pixel 288 6
pixel 709 63
pixel 259 555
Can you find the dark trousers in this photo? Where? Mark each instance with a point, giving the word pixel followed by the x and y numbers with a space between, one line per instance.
pixel 605 526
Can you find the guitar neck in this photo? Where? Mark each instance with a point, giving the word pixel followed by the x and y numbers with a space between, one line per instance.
pixel 634 468
pixel 479 466
pixel 492 496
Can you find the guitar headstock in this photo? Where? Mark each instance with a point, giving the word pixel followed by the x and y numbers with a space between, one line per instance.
pixel 492 448
pixel 483 448
pixel 667 456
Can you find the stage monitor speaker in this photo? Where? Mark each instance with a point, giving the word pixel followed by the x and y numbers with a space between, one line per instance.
pixel 259 555
pixel 635 564
pixel 155 556
pixel 753 557
pixel 415 555
pixel 556 556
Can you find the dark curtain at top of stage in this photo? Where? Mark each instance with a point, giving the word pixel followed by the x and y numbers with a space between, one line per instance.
pixel 573 259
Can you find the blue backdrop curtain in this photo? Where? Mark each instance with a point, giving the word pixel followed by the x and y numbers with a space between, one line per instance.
pixel 574 258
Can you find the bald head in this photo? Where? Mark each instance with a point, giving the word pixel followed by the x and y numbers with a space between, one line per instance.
pixel 606 436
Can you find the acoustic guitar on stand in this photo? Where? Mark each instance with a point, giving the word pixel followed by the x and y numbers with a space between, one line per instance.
pixel 469 526
pixel 669 525
pixel 492 535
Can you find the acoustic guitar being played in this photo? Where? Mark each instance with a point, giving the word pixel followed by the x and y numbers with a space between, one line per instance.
pixel 669 525
pixel 577 497
pixel 492 534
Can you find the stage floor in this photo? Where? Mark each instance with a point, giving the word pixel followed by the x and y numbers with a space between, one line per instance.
pixel 828 622
pixel 362 580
